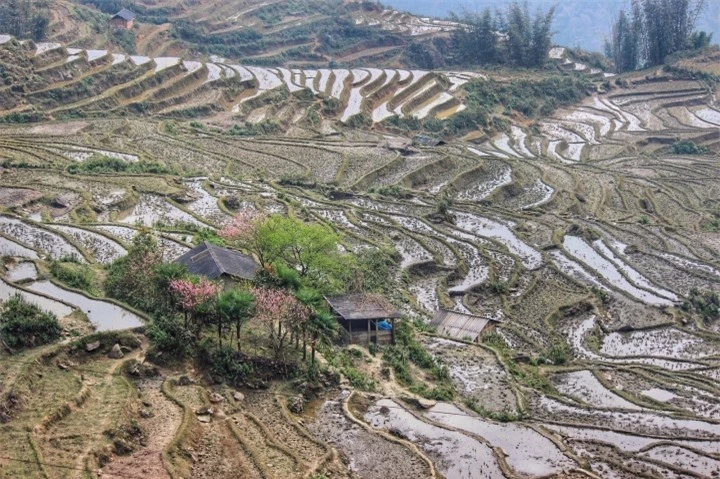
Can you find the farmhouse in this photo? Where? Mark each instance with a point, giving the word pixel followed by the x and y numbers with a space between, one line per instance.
pixel 428 141
pixel 466 326
pixel 365 318
pixel 123 19
pixel 215 262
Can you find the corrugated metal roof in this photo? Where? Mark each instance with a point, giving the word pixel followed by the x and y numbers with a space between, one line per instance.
pixel 362 306
pixel 125 14
pixel 213 261
pixel 460 325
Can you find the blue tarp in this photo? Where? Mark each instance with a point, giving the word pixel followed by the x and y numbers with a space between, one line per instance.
pixel 384 325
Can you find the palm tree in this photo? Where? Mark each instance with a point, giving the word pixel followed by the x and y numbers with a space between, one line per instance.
pixel 322 327
pixel 234 305
pixel 313 300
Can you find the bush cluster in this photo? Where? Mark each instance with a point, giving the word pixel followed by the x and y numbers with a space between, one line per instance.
pixel 100 165
pixel 24 325
pixel 73 274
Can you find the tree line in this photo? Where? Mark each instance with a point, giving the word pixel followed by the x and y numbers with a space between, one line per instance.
pixel 651 30
pixel 25 19
pixel 514 37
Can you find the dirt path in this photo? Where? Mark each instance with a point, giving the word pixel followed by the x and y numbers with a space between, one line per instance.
pixel 266 406
pixel 218 453
pixel 143 42
pixel 160 429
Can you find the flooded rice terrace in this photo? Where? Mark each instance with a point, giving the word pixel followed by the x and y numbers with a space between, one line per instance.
pixel 580 241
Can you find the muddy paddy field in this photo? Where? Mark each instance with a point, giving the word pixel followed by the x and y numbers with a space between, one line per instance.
pixel 583 235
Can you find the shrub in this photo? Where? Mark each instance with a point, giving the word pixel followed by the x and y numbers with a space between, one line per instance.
pixel 439 393
pixel 704 303
pixel 73 274
pixel 361 120
pixel 265 127
pixel 169 336
pixel 99 164
pixel 688 147
pixel 558 353
pixel 23 324
pixel 358 380
pixel 228 364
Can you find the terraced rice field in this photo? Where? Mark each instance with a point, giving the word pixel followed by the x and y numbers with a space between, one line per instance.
pixel 583 230
pixel 172 85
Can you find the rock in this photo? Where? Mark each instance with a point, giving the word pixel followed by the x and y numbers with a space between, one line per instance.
pixel 296 404
pixel 146 413
pixel 216 398
pixel 116 352
pixel 185 197
pixel 64 200
pixel 184 380
pixel 238 396
pixel 426 403
pixel 204 411
pixel 522 358
pixel 204 419
pixel 220 414
pixel 90 347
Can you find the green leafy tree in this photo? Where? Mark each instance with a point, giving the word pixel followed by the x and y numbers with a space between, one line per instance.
pixel 24 19
pixel 654 30
pixel 163 275
pixel 311 249
pixel 131 278
pixel 235 306
pixel 478 43
pixel 528 38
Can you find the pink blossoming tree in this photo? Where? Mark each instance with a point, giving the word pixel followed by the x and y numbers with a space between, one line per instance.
pixel 282 315
pixel 191 295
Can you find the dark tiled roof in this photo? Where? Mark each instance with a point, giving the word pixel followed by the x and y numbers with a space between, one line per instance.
pixel 425 140
pixel 362 306
pixel 125 14
pixel 214 261
pixel 460 325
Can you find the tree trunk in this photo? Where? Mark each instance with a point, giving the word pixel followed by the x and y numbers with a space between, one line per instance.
pixel 219 332
pixel 186 320
pixel 304 345
pixel 313 345
pixel 237 334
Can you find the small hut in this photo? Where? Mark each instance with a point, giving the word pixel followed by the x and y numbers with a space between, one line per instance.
pixel 123 19
pixel 365 318
pixel 215 262
pixel 427 141
pixel 465 326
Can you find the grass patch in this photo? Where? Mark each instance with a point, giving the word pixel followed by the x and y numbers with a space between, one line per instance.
pixel 101 165
pixel 73 274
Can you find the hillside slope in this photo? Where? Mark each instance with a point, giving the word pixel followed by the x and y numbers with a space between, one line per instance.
pixel 50 81
pixel 262 32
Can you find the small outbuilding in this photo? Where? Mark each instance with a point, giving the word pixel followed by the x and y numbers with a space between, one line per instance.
pixel 457 325
pixel 123 19
pixel 365 318
pixel 427 141
pixel 216 262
